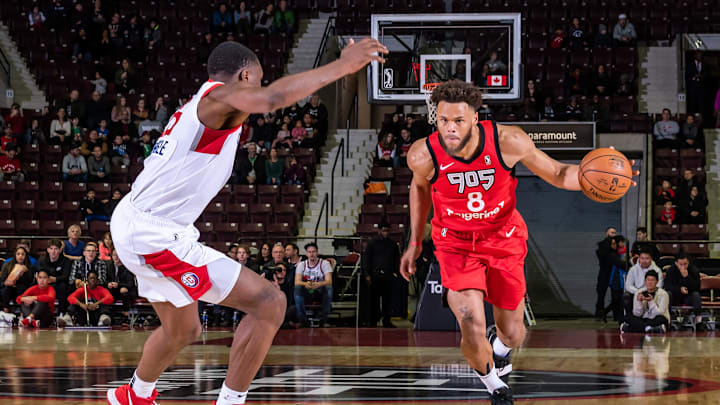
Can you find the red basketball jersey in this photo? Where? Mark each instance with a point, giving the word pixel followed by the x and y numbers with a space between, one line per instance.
pixel 475 195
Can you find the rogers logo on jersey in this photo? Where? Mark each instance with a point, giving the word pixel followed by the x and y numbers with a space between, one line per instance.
pixel 469 216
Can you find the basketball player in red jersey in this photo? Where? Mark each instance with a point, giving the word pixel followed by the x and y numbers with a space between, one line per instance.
pixel 466 170
pixel 154 228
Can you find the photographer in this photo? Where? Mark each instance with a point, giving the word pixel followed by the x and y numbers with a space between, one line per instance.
pixel 313 277
pixel 278 275
pixel 650 308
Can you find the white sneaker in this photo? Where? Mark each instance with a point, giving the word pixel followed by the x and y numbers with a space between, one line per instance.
pixel 105 320
pixel 68 320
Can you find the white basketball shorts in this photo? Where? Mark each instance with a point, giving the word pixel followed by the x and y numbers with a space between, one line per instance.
pixel 167 259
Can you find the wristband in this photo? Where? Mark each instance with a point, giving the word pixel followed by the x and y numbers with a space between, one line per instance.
pixel 415 243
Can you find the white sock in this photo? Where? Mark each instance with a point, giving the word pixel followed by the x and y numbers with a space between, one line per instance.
pixel 230 397
pixel 491 380
pixel 499 348
pixel 647 328
pixel 143 389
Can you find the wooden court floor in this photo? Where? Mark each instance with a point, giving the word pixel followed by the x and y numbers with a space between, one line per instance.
pixel 349 366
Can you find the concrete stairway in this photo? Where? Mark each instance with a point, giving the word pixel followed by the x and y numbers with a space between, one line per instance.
pixel 712 187
pixel 27 92
pixel 306 46
pixel 659 79
pixel 348 189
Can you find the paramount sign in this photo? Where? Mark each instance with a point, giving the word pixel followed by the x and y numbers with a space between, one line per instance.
pixel 560 135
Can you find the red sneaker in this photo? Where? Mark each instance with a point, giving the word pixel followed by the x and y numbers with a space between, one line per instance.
pixel 126 396
pixel 26 321
pixel 35 324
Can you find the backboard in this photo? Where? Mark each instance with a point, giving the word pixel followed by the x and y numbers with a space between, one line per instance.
pixel 432 48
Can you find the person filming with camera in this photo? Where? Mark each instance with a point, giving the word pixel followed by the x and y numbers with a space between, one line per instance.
pixel 650 308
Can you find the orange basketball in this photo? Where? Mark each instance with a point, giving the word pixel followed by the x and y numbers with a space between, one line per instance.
pixel 605 175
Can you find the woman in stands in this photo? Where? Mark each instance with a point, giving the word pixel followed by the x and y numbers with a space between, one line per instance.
pixel 106 246
pixel 264 256
pixel 60 129
pixel 386 150
pixel 120 107
pixel 16 276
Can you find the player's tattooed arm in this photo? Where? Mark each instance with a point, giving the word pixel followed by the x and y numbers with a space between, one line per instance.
pixel 516 146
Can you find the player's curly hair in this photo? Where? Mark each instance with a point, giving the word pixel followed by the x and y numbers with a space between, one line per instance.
pixel 457 91
pixel 229 57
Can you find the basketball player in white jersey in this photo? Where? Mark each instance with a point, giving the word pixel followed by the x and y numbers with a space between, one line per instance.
pixel 153 226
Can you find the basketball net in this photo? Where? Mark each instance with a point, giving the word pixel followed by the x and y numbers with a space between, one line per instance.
pixel 431 107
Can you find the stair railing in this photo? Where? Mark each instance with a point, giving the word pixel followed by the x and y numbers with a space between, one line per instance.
pixel 339 154
pixel 329 30
pixel 5 66
pixel 323 210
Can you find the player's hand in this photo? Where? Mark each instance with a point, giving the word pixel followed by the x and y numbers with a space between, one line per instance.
pixel 407 263
pixel 635 173
pixel 358 54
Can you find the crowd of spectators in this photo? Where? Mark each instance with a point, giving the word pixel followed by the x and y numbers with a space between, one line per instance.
pixel 396 136
pixel 237 19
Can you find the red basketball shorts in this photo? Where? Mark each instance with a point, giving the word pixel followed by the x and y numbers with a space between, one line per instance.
pixel 493 263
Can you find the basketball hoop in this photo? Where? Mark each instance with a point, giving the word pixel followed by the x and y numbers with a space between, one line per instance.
pixel 431 107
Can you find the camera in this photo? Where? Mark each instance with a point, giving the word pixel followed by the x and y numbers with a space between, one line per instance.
pixel 270 272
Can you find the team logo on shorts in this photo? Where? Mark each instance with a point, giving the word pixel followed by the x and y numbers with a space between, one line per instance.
pixel 444 232
pixel 190 280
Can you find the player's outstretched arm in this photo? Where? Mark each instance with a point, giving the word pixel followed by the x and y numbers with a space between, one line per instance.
pixel 290 89
pixel 516 146
pixel 421 164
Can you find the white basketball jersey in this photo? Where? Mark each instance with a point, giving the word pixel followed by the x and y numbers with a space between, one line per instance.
pixel 188 166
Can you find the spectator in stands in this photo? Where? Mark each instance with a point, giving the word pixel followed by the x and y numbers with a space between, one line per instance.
pixel 207 44
pixel 279 275
pixel 294 112
pixel 311 132
pixel 16 121
pixel 668 214
pixel 92 209
pixel 125 127
pixel 382 263
pixel 616 260
pixel 558 38
pixel 82 47
pixel 10 167
pixel 119 109
pixel 697 79
pixel 7 138
pixel 100 84
pixel 105 247
pixel 74 106
pixel 689 133
pixel 294 173
pixel 121 283
pixel 274 167
pixel 16 276
pixel 596 110
pixel 114 30
pixel 89 262
pixel 624 32
pixel 319 113
pixel 243 19
pixel 531 102
pixel 222 20
pixel 624 86
pixel 73 246
pixel 386 149
pixel 34 135
pixel 548 110
pixel 140 113
pixel 650 308
pixel 283 137
pixel 577 35
pixel 284 19
pixel 683 285
pixel 641 244
pixel 125 77
pixel 96 110
pixel 497 67
pixel 418 127
pixel 602 38
pixel 119 153
pixel 249 166
pixel 277 254
pixel 666 193
pixel 37 303
pixel 60 129
pixel 298 133
pixel 160 112
pixel 243 257
pixel 76 130
pixel 98 166
pixel 57 267
pixel 403 146
pixel 693 207
pixel 263 133
pixel 112 202
pixel 292 254
pixel 575 84
pixel 573 111
pixel 601 81
pixel 635 280
pixel 103 129
pixel 604 249
pixel 666 131
pixel 95 306
pixel 36 18
pixel 153 35
pixel 264 19
pixel 25 243
pixel 313 277
pixel 265 254
pixel 78 16
pixel 73 166
pixel 57 14
pixel 688 182
pixel 133 33
pixel 87 147
pixel 146 146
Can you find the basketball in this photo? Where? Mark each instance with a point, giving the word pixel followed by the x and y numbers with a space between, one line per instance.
pixel 605 175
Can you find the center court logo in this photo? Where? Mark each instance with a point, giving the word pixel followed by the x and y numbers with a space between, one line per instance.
pixel 190 280
pixel 444 382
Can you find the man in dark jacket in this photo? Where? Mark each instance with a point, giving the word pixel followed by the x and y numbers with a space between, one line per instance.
pixel 57 267
pixel 604 253
pixel 92 209
pixel 382 265
pixel 682 282
pixel 641 244
pixel 249 167
pixel 121 283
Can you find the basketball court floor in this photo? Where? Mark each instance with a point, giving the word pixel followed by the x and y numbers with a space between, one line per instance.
pixel 557 365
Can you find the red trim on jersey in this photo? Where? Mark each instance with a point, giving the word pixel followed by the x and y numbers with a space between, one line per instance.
pixel 195 280
pixel 213 87
pixel 212 140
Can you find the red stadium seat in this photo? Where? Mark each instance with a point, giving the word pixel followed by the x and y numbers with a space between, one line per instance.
pixel 260 213
pixel 252 231
pixel 372 214
pixel 48 210
pixel 226 231
pixel 24 209
pixel 27 227
pixel 268 193
pixel 237 213
pixel 244 193
pixel 53 228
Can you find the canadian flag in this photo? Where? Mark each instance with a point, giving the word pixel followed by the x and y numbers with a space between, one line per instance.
pixel 497 80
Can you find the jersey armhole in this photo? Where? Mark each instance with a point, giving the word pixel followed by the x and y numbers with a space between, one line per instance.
pixel 434 159
pixel 497 149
